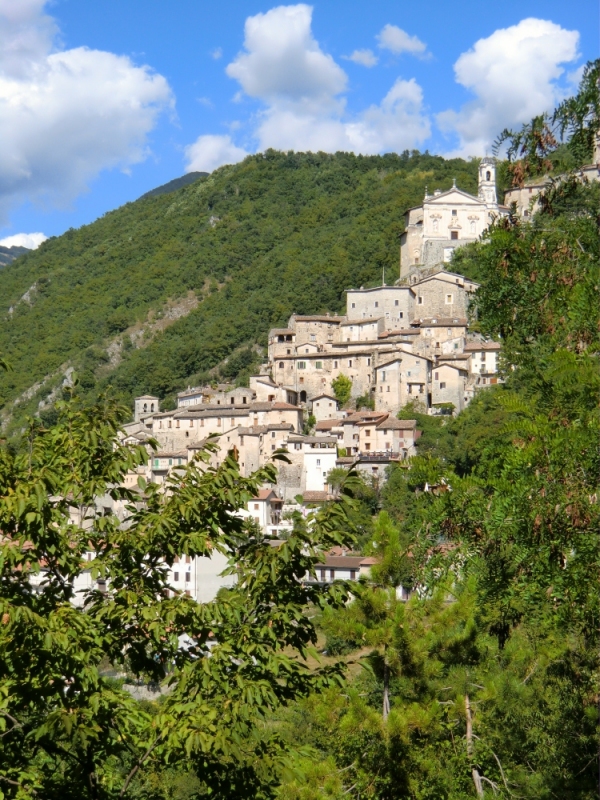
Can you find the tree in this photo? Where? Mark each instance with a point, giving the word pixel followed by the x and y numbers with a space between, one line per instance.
pixel 68 732
pixel 342 388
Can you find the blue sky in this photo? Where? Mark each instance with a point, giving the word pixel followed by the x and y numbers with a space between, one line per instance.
pixel 101 101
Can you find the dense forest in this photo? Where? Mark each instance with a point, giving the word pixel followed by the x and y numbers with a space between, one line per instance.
pixel 251 244
pixel 484 684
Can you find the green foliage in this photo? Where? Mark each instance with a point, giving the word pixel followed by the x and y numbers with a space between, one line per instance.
pixel 69 732
pixel 365 401
pixel 342 389
pixel 293 232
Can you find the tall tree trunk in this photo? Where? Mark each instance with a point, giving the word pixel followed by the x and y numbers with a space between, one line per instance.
pixel 386 690
pixel 474 770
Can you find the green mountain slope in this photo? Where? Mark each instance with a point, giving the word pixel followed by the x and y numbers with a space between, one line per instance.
pixel 230 255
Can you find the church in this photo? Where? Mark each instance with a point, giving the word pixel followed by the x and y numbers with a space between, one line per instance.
pixel 447 220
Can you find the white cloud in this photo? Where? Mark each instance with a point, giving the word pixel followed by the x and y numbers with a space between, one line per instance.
pixel 513 75
pixel 366 58
pixel 66 115
pixel 217 53
pixel 209 152
pixel 30 240
pixel 301 89
pixel 393 38
pixel 283 62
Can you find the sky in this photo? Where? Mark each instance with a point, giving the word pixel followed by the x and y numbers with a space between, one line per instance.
pixel 102 101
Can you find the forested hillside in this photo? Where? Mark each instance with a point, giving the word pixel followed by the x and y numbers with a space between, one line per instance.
pixel 240 251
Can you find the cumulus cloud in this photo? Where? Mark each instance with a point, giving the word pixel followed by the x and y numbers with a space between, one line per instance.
pixel 66 115
pixel 283 62
pixel 366 58
pixel 301 89
pixel 393 38
pixel 209 152
pixel 30 240
pixel 513 75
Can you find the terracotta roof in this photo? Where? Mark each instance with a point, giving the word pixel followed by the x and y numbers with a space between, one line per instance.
pixel 473 346
pixel 318 396
pixel 454 357
pixel 368 561
pixel 328 424
pixel 280 331
pixel 265 494
pixel 341 562
pixel 317 318
pixel 397 424
pixel 315 497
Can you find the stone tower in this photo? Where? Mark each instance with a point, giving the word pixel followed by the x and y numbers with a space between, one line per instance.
pixel 487 181
pixel 145 405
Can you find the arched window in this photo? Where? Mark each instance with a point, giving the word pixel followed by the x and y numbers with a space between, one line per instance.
pixel 152 407
pixel 281 365
pixel 145 408
pixel 303 397
pixel 488 176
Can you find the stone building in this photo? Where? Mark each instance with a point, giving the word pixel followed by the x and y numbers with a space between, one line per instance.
pixel 447 220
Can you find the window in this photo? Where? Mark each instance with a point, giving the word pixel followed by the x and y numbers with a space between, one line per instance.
pixel 448 299
pixel 388 388
pixel 188 577
pixel 156 462
pixel 376 304
pixel 313 337
pixel 300 380
pixel 437 376
pixel 395 302
pixel 367 445
pixel 152 407
pixel 349 362
pixel 367 433
pixel 318 365
pixel 335 364
pixel 368 362
pixel 302 365
pixel 410 388
pixel 383 377
pixel 525 213
pixel 400 315
pixel 281 338
pixel 420 301
pixel 353 305
pixel 273 447
pixel 169 423
pixel 281 365
pixel 449 332
pixel 318 462
pixel 488 176
pixel 145 408
pixel 306 350
pixel 454 212
pixel 176 577
pixel 288 352
pixel 442 385
pixel 454 234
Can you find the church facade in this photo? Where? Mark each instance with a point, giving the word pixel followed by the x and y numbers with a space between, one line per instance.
pixel 447 220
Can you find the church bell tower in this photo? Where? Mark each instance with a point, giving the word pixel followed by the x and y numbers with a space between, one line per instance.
pixel 487 181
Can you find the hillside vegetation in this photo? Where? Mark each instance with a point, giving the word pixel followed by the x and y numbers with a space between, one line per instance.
pixel 254 243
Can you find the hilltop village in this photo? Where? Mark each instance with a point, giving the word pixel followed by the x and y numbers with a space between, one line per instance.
pixel 408 342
